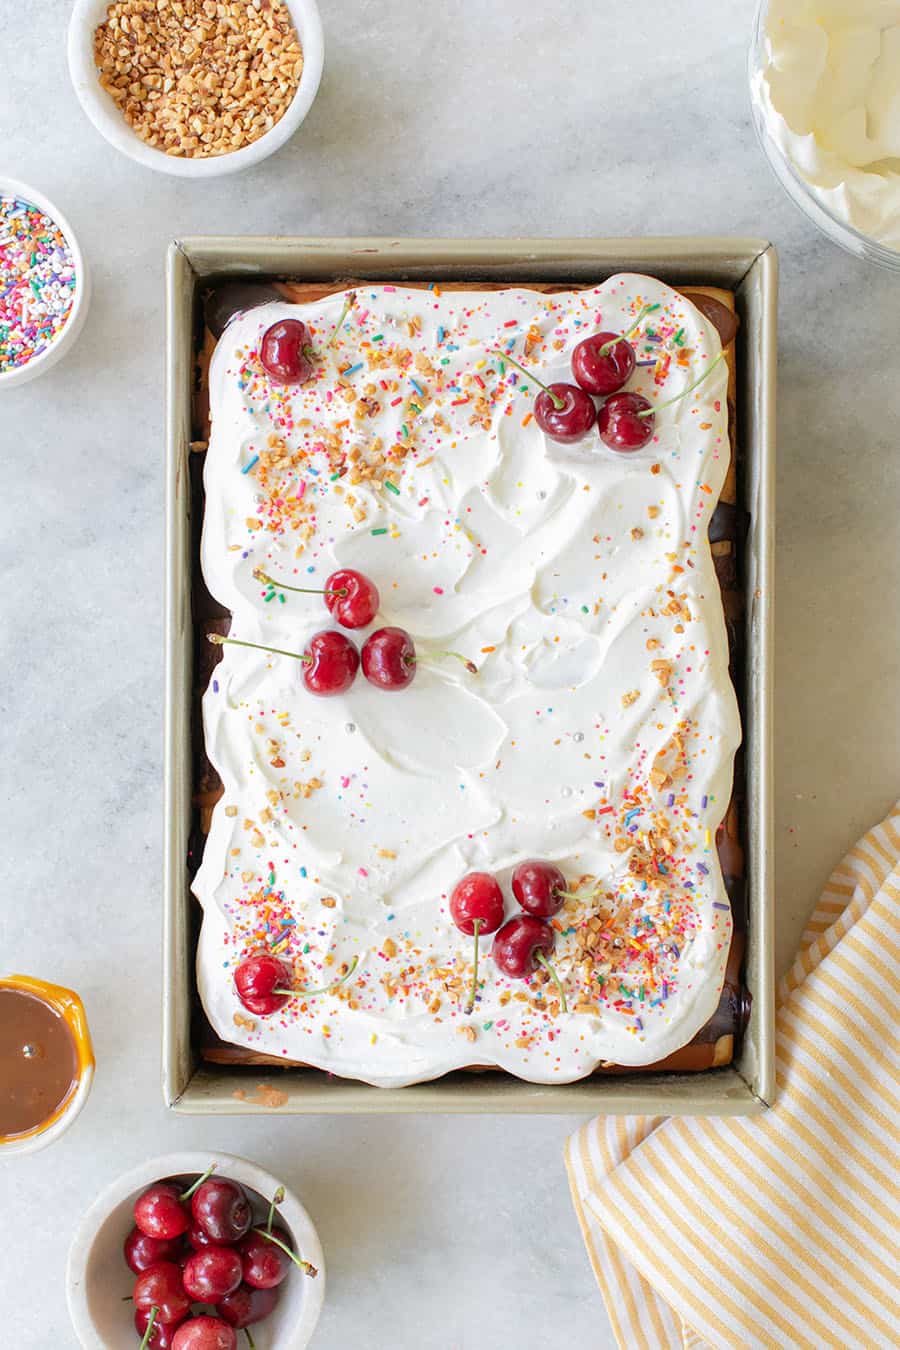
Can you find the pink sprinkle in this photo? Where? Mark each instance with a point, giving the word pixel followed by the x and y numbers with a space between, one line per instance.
pixel 363 872
pixel 301 490
pixel 345 782
pixel 389 288
pixel 439 590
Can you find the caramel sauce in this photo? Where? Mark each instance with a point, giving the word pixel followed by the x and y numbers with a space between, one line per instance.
pixel 38 1062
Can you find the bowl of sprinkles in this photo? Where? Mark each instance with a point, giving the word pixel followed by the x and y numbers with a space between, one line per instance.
pixel 196 88
pixel 43 284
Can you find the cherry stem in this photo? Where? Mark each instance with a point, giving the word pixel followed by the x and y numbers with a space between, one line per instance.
pixel 186 1195
pixel 218 641
pixel 457 656
pixel 250 1341
pixel 148 1332
pixel 348 305
pixel 260 575
pixel 648 412
pixel 555 399
pixel 608 346
pixel 325 989
pixel 305 1266
pixel 476 928
pixel 276 1200
pixel 542 961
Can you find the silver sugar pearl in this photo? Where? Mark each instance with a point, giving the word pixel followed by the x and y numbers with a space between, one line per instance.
pixel 350 728
pixel 565 792
pixel 578 737
pixel 541 495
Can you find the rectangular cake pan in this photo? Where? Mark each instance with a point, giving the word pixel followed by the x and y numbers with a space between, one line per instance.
pixel 748 267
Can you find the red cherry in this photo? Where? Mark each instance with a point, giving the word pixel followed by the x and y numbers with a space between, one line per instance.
pixel 142 1252
pixel 352 599
pixel 264 1264
pixel 286 352
pixel 198 1237
pixel 564 412
pixel 205 1333
pixel 221 1208
pixel 477 897
pixel 246 1306
pixel 160 1287
pixel 330 663
pixel 159 1212
pixel 539 888
pixel 163 1333
pixel 600 371
pixel 620 424
pixel 256 980
pixel 389 658
pixel 518 943
pixel 212 1273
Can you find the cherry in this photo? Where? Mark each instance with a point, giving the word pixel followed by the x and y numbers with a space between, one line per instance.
pixel 351 597
pixel 281 1241
pixel 246 1306
pixel 256 980
pixel 196 1236
pixel 476 907
pixel 564 412
pixel 603 363
pixel 523 944
pixel 330 661
pixel 265 1264
pixel 221 1208
pixel 160 1287
pixel 389 658
pixel 142 1251
pixel 161 1336
pixel 286 352
pixel 626 422
pixel 539 887
pixel 205 1333
pixel 210 1274
pixel 159 1212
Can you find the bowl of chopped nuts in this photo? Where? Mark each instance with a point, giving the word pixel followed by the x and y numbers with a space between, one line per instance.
pixel 196 88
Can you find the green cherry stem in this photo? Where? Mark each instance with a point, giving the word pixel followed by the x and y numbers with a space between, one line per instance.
pixel 276 1200
pixel 261 575
pixel 154 1313
pixel 554 398
pixel 250 1341
pixel 325 989
pixel 542 961
pixel 348 305
pixel 476 928
pixel 649 412
pixel 186 1195
pixel 608 346
pixel 298 1261
pixel 457 656
pixel 218 641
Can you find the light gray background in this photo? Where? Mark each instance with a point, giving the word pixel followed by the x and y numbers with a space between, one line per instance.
pixel 501 117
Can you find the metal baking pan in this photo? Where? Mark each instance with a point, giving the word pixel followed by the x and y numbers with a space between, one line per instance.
pixel 746 266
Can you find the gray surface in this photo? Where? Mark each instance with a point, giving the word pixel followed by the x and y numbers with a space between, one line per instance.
pixel 492 119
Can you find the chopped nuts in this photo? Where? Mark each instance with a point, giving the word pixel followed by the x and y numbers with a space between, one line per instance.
pixel 198 78
pixel 631 697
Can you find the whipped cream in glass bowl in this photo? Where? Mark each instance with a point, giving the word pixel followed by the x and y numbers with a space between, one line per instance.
pixel 825 88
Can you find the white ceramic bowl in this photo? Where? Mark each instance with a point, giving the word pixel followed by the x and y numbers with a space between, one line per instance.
pixel 97 1278
pixel 106 117
pixel 65 339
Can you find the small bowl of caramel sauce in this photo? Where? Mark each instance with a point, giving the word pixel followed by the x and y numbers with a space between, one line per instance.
pixel 46 1062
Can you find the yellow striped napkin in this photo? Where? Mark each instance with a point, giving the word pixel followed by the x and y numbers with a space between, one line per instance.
pixel 781 1230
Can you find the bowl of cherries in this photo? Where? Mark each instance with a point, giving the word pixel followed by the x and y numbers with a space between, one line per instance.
pixel 192 1253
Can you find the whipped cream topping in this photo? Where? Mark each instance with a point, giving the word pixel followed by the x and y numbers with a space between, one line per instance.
pixel 599 732
pixel 829 91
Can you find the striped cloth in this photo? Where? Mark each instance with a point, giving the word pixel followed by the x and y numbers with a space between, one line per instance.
pixel 781 1230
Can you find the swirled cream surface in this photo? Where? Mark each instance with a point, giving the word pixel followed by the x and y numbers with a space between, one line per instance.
pixel 599 731
pixel 829 92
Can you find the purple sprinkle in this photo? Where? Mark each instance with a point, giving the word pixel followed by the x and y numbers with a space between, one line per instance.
pixel 598 785
pixel 717 904
pixel 674 950
pixel 671 801
pixel 702 867
pixel 704 802
pixel 645 363
pixel 215 686
pixel 639 1024
pixel 665 990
